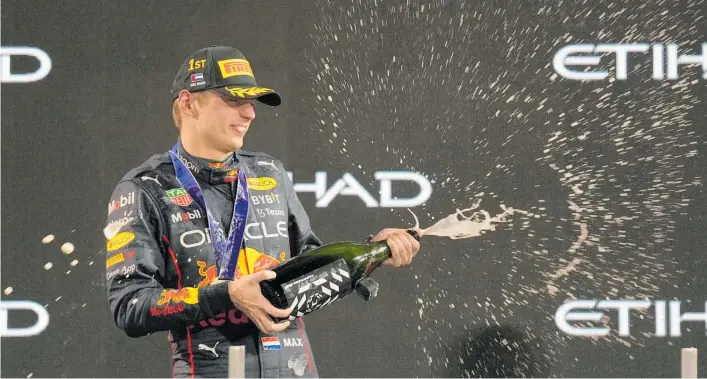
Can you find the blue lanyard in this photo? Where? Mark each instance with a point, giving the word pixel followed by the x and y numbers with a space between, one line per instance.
pixel 225 249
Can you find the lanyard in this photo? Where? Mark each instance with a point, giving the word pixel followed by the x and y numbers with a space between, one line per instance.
pixel 228 248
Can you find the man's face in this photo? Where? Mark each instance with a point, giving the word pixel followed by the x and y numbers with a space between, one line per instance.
pixel 223 121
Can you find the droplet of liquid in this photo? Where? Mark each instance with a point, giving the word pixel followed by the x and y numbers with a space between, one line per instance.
pixel 48 265
pixel 67 248
pixel 8 290
pixel 46 240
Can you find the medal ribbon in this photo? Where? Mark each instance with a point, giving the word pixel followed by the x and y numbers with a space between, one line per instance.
pixel 228 248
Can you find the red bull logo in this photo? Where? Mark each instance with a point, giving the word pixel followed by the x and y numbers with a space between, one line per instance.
pixel 187 295
pixel 251 261
pixel 166 311
pixel 217 165
pixel 231 176
pixel 209 274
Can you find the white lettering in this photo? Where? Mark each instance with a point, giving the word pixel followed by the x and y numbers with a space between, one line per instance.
pixel 121 202
pixel 256 230
pixel 270 212
pixel 25 305
pixel 125 270
pixel 261 231
pixel 564 314
pixel 564 57
pixel 186 216
pixel 676 318
pixel 387 200
pixel 562 60
pixel 117 224
pixel 290 342
pixel 348 185
pixel 674 60
pixel 189 164
pixel 6 75
pixel 200 238
pixel 265 199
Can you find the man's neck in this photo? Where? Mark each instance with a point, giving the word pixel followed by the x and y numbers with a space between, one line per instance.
pixel 199 150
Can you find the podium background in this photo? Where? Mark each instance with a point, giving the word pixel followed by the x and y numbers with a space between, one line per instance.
pixel 462 92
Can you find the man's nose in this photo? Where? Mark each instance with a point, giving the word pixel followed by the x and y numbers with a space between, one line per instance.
pixel 249 112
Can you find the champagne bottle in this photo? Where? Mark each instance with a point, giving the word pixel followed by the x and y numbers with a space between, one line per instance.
pixel 325 275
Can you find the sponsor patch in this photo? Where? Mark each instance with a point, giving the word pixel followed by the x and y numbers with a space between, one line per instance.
pixel 179 196
pixel 115 259
pixel 119 240
pixel 188 295
pixel 262 184
pixel 121 202
pixel 234 67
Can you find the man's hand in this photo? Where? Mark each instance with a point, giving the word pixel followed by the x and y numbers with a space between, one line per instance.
pixel 403 246
pixel 246 295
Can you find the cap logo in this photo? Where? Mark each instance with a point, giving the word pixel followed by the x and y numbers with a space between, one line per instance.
pixel 234 67
pixel 196 64
pixel 243 92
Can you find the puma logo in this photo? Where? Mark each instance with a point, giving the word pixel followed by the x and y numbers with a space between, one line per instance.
pixel 271 163
pixel 153 179
pixel 211 349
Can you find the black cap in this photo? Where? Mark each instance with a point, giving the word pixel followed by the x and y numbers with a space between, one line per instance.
pixel 225 70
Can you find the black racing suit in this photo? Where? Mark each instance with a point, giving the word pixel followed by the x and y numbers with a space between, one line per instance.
pixel 160 264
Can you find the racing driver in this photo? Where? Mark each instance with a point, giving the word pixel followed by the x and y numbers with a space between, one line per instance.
pixel 171 219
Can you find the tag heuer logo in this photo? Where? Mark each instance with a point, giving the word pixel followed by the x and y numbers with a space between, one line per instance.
pixel 179 196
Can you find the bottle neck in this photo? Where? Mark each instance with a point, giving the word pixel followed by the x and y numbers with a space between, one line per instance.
pixel 380 252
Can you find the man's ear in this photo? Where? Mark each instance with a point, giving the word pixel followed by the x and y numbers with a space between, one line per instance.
pixel 186 102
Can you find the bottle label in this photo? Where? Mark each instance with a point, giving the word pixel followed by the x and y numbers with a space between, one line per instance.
pixel 318 288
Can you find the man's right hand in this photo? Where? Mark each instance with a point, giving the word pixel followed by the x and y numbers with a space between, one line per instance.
pixel 246 295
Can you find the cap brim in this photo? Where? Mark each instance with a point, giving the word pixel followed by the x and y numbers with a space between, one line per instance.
pixel 264 95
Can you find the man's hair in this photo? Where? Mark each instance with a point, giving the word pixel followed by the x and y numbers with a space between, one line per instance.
pixel 199 97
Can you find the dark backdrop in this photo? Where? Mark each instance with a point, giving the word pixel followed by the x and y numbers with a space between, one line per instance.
pixel 464 93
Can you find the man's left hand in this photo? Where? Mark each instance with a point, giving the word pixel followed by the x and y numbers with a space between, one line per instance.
pixel 403 246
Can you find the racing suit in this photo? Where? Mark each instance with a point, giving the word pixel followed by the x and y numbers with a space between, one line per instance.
pixel 160 263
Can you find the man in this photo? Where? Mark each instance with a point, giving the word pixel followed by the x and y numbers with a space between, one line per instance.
pixel 171 219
